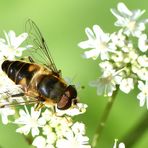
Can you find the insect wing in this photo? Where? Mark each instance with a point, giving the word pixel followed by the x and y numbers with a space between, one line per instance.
pixel 40 47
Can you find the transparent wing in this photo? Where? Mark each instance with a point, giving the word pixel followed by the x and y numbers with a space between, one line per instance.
pixel 41 53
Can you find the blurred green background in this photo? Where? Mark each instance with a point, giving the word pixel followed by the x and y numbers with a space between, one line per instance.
pixel 62 23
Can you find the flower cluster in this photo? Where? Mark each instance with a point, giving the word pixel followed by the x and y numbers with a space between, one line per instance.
pixel 49 128
pixel 9 49
pixel 123 54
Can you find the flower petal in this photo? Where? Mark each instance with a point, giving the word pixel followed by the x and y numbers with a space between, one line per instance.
pixel 18 40
pixel 123 9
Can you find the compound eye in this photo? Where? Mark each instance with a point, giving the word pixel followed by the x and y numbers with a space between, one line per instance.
pixel 65 102
pixel 67 98
pixel 72 91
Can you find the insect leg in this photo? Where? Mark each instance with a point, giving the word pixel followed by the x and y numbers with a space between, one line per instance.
pixel 54 109
pixel 18 103
pixel 28 58
pixel 31 59
pixel 18 95
pixel 39 106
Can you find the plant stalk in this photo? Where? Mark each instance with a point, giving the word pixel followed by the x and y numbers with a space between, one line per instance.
pixel 136 132
pixel 104 118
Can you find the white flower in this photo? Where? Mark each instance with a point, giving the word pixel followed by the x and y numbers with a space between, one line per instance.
pixel 143 73
pixel 5 82
pixel 106 66
pixel 120 145
pixel 107 82
pixel 57 121
pixel 77 109
pixel 127 85
pixel 5 112
pixel 51 138
pixel 78 128
pixel 143 43
pixel 128 19
pixel 131 57
pixel 29 121
pixel 118 38
pixel 50 133
pixel 98 41
pixel 41 142
pixel 47 129
pixel 47 114
pixel 71 141
pixel 8 88
pixel 143 95
pixel 117 56
pixel 127 47
pixel 143 61
pixel 9 48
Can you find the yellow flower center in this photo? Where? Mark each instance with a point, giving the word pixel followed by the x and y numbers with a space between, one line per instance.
pixel 132 25
pixel 102 46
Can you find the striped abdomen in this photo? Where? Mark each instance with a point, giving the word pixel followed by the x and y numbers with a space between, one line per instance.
pixel 19 71
pixel 34 79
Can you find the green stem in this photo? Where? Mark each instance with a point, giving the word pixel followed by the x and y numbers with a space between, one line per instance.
pixel 103 120
pixel 136 132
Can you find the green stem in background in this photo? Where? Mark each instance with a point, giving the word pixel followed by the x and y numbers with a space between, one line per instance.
pixel 136 132
pixel 103 120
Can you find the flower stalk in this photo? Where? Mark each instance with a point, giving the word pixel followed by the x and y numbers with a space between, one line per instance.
pixel 136 132
pixel 104 118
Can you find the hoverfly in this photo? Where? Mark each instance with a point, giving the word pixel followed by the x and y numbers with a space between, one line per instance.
pixel 42 82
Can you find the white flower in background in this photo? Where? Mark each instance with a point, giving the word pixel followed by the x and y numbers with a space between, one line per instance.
pixel 5 112
pixel 106 84
pixel 127 85
pixel 129 20
pixel 143 95
pixel 30 121
pixel 98 41
pixel 120 145
pixel 73 141
pixel 143 43
pixel 9 48
pixel 118 51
